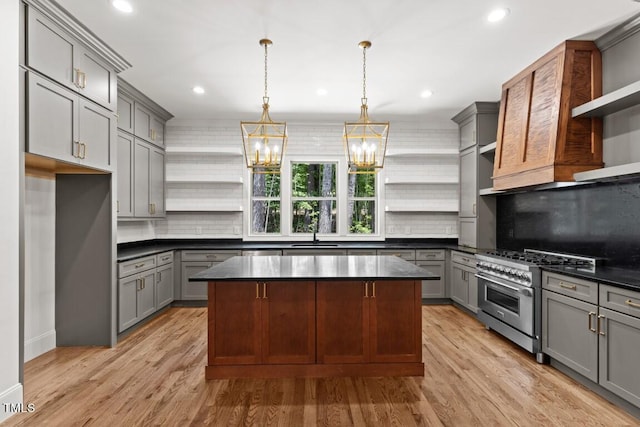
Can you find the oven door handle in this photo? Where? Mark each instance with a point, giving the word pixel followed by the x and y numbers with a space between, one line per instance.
pixel 524 291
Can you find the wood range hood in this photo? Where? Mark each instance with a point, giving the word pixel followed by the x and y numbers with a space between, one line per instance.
pixel 538 142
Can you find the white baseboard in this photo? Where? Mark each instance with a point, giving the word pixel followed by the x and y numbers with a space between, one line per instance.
pixel 11 396
pixel 34 347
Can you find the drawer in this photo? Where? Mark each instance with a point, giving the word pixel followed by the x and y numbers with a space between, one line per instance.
pixel 619 299
pixel 361 252
pixel 576 288
pixel 164 258
pixel 462 258
pixel 430 254
pixel 406 254
pixel 137 265
pixel 211 256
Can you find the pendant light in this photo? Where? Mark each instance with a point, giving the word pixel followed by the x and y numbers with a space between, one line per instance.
pixel 264 141
pixel 365 142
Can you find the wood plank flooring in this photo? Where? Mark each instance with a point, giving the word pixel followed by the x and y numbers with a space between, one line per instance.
pixel 155 377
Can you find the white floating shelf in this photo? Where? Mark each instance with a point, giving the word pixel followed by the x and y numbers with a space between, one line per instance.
pixel 186 205
pixel 426 206
pixel 612 102
pixel 424 236
pixel 611 173
pixel 422 181
pixel 422 152
pixel 489 191
pixel 202 180
pixel 219 151
pixel 489 148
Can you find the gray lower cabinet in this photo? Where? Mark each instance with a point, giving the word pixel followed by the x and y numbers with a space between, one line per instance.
pixel 65 127
pixel 464 284
pixel 599 340
pixel 434 261
pixel 195 261
pixel 145 285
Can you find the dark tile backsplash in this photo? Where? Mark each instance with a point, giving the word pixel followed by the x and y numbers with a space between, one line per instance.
pixel 597 220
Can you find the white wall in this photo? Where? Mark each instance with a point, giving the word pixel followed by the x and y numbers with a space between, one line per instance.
pixel 304 138
pixel 39 265
pixel 10 387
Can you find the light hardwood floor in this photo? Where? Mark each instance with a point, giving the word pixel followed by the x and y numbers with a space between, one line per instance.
pixel 155 376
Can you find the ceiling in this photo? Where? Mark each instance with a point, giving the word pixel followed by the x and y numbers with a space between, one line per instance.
pixel 444 46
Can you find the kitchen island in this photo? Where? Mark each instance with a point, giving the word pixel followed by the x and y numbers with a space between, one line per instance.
pixel 314 316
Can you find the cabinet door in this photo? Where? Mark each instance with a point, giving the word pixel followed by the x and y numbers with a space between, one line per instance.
pixel 125 175
pixel 147 295
pixel 472 290
pixel 395 321
pixel 97 131
pixel 52 120
pixel 619 349
pixel 468 183
pixel 234 323
pixel 193 290
pixel 433 288
pixel 164 285
pixel 342 322
pixel 468 134
pixel 141 196
pixel 157 131
pixel 98 80
pixel 125 113
pixel 569 333
pixel 127 302
pixel 156 182
pixel 459 285
pixel 288 322
pixel 142 122
pixel 50 50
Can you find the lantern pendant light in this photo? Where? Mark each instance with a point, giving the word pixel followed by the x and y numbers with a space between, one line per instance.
pixel 264 141
pixel 365 142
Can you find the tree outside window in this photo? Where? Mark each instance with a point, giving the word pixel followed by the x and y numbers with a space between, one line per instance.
pixel 313 198
pixel 265 203
pixel 361 203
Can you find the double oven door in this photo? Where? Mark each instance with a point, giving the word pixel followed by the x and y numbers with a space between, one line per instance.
pixel 507 301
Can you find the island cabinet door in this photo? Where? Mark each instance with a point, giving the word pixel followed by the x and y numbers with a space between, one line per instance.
pixel 234 323
pixel 343 322
pixel 395 320
pixel 288 310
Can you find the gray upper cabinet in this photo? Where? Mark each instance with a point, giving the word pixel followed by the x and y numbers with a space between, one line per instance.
pixel 65 127
pixel 125 113
pixel 157 181
pixel 148 180
pixel 142 122
pixel 468 183
pixel 125 174
pixel 56 54
pixel 157 131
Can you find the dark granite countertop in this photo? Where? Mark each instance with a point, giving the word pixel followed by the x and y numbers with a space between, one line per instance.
pixel 623 277
pixel 129 251
pixel 322 267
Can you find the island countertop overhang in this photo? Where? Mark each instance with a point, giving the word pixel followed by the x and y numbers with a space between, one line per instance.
pixel 317 267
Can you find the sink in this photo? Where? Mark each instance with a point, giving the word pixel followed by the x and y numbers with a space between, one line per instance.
pixel 314 245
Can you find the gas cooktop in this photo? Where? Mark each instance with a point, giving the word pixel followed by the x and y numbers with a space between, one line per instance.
pixel 535 257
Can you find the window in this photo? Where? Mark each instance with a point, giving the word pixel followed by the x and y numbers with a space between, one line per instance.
pixel 361 204
pixel 313 195
pixel 313 198
pixel 265 203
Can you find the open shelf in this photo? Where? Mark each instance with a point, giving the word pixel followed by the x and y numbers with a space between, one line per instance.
pixel 424 206
pixel 422 180
pixel 202 180
pixel 400 152
pixel 612 102
pixel 627 171
pixel 218 151
pixel 186 205
pixel 489 148
pixel 489 192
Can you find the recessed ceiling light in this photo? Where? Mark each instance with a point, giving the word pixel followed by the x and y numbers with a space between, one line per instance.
pixel 497 15
pixel 198 89
pixel 426 93
pixel 321 92
pixel 122 5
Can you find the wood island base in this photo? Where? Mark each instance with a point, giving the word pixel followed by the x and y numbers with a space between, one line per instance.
pixel 316 371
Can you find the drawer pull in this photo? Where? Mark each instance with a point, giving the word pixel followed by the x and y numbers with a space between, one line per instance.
pixel 601 325
pixel 257 290
pixel 211 256
pixel 591 313
pixel 139 265
pixel 570 287
pixel 465 259
pixel 373 289
pixel 632 304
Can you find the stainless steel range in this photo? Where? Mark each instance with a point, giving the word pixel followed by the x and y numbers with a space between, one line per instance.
pixel 510 294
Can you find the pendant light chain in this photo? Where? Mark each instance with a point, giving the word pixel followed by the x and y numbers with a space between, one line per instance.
pixel 364 74
pixel 265 70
